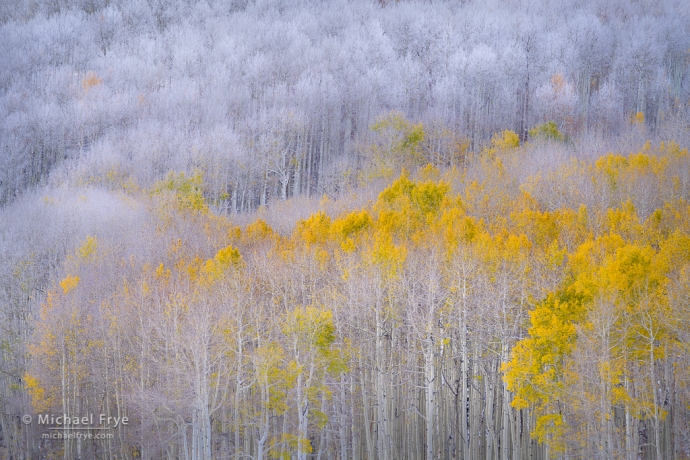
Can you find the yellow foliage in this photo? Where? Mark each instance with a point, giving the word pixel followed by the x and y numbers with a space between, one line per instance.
pixel 188 191
pixel 399 145
pixel 673 150
pixel 348 228
pixel 550 429
pixel 315 229
pixel 162 272
pixel 191 269
pixel 407 207
pixel 258 231
pixel 351 224
pixel 540 227
pixel 90 80
pixel 504 141
pixel 234 233
pixel 292 442
pixel 274 376
pixel 69 283
pixel 88 248
pixel 429 173
pixel 310 327
pixel 547 130
pixel 388 256
pixel 535 370
pixel 37 393
pixel 458 228
pixel 228 256
pixel 624 221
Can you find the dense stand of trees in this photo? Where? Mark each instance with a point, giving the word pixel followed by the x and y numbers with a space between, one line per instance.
pixel 480 313
pixel 275 98
pixel 352 229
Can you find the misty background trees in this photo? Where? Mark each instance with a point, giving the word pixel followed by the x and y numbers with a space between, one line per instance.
pixel 272 99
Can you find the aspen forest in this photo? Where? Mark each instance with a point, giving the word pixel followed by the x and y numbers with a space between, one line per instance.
pixel 354 229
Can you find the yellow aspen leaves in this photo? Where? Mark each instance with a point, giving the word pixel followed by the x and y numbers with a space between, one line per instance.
pixel 228 256
pixel 162 272
pixel 69 283
pixel 389 256
pixel 535 370
pixel 540 227
pixel 310 327
pixel 429 173
pixel 351 224
pixel 315 229
pixel 504 141
pixel 88 248
pixel 428 196
pixel 407 208
pixel 458 228
pixel 399 145
pixel 347 230
pixel 258 231
pixel 548 130
pixel 90 80
pixel 37 393
pixel 188 191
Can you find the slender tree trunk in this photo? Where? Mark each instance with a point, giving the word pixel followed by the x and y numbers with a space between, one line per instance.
pixel 430 403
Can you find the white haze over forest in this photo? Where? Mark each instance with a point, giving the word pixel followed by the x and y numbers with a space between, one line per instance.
pixel 275 98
